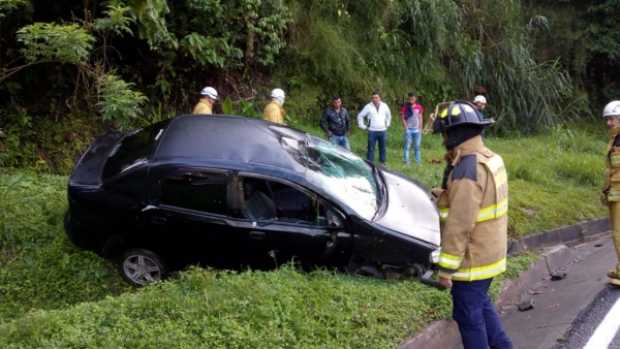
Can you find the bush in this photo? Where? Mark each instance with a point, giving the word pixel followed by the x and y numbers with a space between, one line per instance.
pixel 118 102
pixel 49 42
pixel 7 6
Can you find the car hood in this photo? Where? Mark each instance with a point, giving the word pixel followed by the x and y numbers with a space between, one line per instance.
pixel 409 210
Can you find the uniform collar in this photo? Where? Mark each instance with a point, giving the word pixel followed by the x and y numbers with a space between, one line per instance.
pixel 470 146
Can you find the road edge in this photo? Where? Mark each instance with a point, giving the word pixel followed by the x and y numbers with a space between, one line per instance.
pixel 445 334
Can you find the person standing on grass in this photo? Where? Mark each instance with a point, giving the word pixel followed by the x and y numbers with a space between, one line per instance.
pixel 480 102
pixel 473 207
pixel 376 118
pixel 274 111
pixel 611 190
pixel 336 123
pixel 412 116
pixel 208 98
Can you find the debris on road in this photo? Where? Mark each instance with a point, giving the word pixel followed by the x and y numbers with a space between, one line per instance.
pixel 527 303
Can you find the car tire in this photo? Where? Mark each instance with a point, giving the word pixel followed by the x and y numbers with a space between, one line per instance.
pixel 141 267
pixel 357 266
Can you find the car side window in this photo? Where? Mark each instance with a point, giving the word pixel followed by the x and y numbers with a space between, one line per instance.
pixel 272 200
pixel 205 192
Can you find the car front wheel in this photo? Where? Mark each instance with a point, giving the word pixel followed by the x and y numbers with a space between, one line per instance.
pixel 141 267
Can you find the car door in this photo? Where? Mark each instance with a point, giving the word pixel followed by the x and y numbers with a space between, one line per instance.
pixel 291 220
pixel 190 217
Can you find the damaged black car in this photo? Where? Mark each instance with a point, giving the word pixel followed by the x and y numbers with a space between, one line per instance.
pixel 233 192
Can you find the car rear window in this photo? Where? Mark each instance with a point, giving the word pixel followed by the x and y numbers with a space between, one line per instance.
pixel 134 149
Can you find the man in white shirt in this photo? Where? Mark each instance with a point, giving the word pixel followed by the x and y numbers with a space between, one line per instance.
pixel 376 118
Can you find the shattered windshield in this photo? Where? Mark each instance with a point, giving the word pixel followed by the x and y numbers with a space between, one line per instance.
pixel 343 174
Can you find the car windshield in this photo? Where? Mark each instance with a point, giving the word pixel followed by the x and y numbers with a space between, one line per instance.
pixel 134 149
pixel 344 175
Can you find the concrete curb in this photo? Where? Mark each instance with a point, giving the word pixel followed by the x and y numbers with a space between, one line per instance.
pixel 445 333
pixel 581 231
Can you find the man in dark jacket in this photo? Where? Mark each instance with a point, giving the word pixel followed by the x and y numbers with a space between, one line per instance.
pixel 336 123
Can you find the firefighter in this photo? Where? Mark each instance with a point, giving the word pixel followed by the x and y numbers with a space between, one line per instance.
pixel 273 111
pixel 473 205
pixel 207 100
pixel 611 190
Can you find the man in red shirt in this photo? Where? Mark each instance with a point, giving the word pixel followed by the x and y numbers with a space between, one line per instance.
pixel 413 121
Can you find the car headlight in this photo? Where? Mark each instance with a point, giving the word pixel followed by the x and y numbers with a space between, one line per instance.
pixel 435 256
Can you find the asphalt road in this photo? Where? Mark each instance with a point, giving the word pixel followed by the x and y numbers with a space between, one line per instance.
pixel 580 310
pixel 598 327
pixel 559 318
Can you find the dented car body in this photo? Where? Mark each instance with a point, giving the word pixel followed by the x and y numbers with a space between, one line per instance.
pixel 230 191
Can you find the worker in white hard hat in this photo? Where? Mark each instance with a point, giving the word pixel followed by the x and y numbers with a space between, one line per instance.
pixel 480 102
pixel 208 97
pixel 611 190
pixel 273 111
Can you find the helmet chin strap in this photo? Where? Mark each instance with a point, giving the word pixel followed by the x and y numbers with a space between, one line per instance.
pixel 459 134
pixel 280 100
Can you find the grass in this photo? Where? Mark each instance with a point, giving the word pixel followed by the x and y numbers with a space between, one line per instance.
pixel 56 296
pixel 39 268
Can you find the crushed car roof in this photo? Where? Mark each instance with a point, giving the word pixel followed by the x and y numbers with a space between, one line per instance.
pixel 230 139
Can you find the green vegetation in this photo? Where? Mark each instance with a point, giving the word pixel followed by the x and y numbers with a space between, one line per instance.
pixel 168 50
pixel 584 37
pixel 71 69
pixel 39 268
pixel 54 295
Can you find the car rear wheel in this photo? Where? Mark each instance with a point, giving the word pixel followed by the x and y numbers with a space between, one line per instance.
pixel 141 267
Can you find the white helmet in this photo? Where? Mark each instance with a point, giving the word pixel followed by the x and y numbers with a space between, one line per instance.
pixel 278 94
pixel 209 92
pixel 612 109
pixel 480 99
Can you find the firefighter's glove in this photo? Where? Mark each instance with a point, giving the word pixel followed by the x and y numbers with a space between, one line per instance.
pixel 445 282
pixel 436 193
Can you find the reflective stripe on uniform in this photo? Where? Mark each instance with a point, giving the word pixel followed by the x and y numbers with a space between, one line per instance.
pixel 493 211
pixel 443 214
pixel 497 168
pixel 449 261
pixel 480 273
pixel 485 214
pixel 614 160
pixel 613 195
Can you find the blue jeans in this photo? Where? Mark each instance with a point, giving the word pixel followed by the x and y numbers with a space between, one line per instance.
pixel 475 314
pixel 373 138
pixel 412 135
pixel 342 141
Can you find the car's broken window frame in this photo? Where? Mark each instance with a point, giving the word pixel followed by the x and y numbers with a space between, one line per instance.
pixel 311 194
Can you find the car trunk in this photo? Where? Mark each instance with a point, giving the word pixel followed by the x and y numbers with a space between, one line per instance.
pixel 89 168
